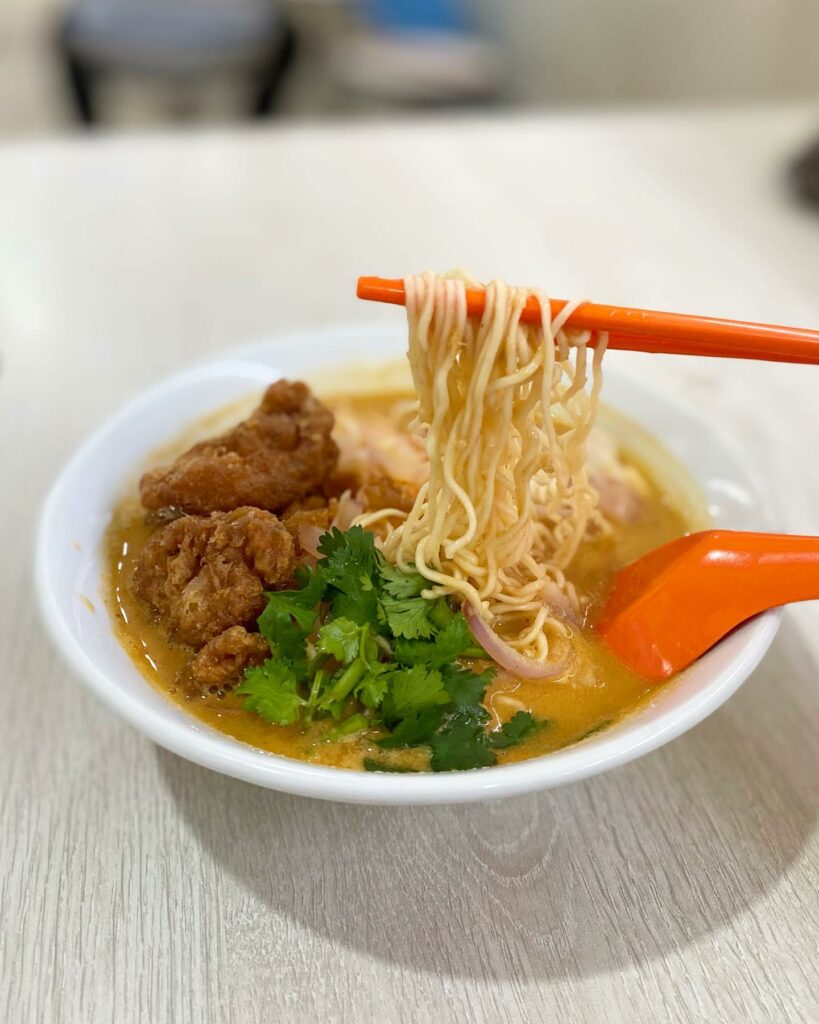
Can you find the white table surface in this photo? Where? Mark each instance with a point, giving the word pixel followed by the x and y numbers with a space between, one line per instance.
pixel 135 887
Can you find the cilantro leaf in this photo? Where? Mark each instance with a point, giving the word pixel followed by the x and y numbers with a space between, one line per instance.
pixel 271 690
pixel 346 556
pixel 453 641
pixel 414 729
pixel 374 684
pixel 519 728
pixel 361 607
pixel 292 604
pixel 465 687
pixel 312 585
pixel 341 638
pixel 286 638
pixel 412 689
pixel 398 583
pixel 356 541
pixel 379 646
pixel 279 613
pixel 408 617
pixel 460 744
pixel 348 565
pixel 276 623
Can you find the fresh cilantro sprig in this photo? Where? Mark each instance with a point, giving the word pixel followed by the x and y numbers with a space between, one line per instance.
pixel 461 742
pixel 357 643
pixel 519 728
pixel 271 690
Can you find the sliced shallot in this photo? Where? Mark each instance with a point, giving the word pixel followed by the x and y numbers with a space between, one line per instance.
pixel 348 510
pixel 507 657
pixel 309 537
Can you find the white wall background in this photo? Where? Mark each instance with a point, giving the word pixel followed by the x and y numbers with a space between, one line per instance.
pixel 563 52
pixel 575 51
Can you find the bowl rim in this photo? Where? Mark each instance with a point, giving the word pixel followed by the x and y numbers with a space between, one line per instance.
pixel 207 747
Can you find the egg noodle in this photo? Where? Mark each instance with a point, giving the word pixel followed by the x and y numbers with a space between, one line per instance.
pixel 505 414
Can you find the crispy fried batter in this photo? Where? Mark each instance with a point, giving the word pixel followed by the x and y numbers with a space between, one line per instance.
pixel 281 453
pixel 207 573
pixel 320 517
pixel 384 492
pixel 311 503
pixel 223 660
pixel 312 516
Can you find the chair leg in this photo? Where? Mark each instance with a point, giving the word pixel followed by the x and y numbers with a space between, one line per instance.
pixel 80 82
pixel 267 94
pixel 79 77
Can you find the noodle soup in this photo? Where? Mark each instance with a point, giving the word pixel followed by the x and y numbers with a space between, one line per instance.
pixel 404 582
pixel 373 429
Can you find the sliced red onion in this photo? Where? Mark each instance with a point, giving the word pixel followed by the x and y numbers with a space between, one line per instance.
pixel 507 657
pixel 309 534
pixel 348 509
pixel 309 537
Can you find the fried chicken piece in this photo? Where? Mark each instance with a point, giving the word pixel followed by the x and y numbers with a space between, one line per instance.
pixel 281 453
pixel 308 519
pixel 222 661
pixel 314 505
pixel 384 492
pixel 207 573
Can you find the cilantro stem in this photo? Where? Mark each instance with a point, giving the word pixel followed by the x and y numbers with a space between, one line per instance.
pixel 346 682
pixel 383 644
pixel 315 687
pixel 317 662
pixel 355 723
pixel 474 652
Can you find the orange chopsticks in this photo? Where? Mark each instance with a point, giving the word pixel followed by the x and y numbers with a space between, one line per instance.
pixel 642 330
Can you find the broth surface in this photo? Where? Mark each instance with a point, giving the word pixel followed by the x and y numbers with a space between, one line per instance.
pixel 598 691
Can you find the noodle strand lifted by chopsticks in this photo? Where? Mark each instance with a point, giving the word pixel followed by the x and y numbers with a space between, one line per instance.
pixel 505 413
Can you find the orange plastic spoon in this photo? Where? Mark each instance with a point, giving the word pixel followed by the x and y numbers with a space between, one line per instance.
pixel 667 608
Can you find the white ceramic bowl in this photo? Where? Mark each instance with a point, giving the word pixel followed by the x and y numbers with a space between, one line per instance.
pixel 69 568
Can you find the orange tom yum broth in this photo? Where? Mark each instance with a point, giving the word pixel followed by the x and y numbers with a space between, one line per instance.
pixel 596 692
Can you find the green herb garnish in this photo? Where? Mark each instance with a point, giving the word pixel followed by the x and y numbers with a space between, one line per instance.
pixel 356 643
pixel 461 742
pixel 272 692
pixel 519 728
pixel 595 728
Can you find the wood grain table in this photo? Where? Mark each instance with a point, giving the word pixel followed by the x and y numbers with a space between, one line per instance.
pixel 135 887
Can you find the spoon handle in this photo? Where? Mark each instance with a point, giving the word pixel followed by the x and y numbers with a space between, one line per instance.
pixel 775 568
pixel 670 606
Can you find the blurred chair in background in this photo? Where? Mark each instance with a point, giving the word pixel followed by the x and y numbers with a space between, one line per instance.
pixel 178 41
pixel 418 52
pixel 804 175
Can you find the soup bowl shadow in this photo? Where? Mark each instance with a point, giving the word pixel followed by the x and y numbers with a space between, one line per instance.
pixel 589 878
